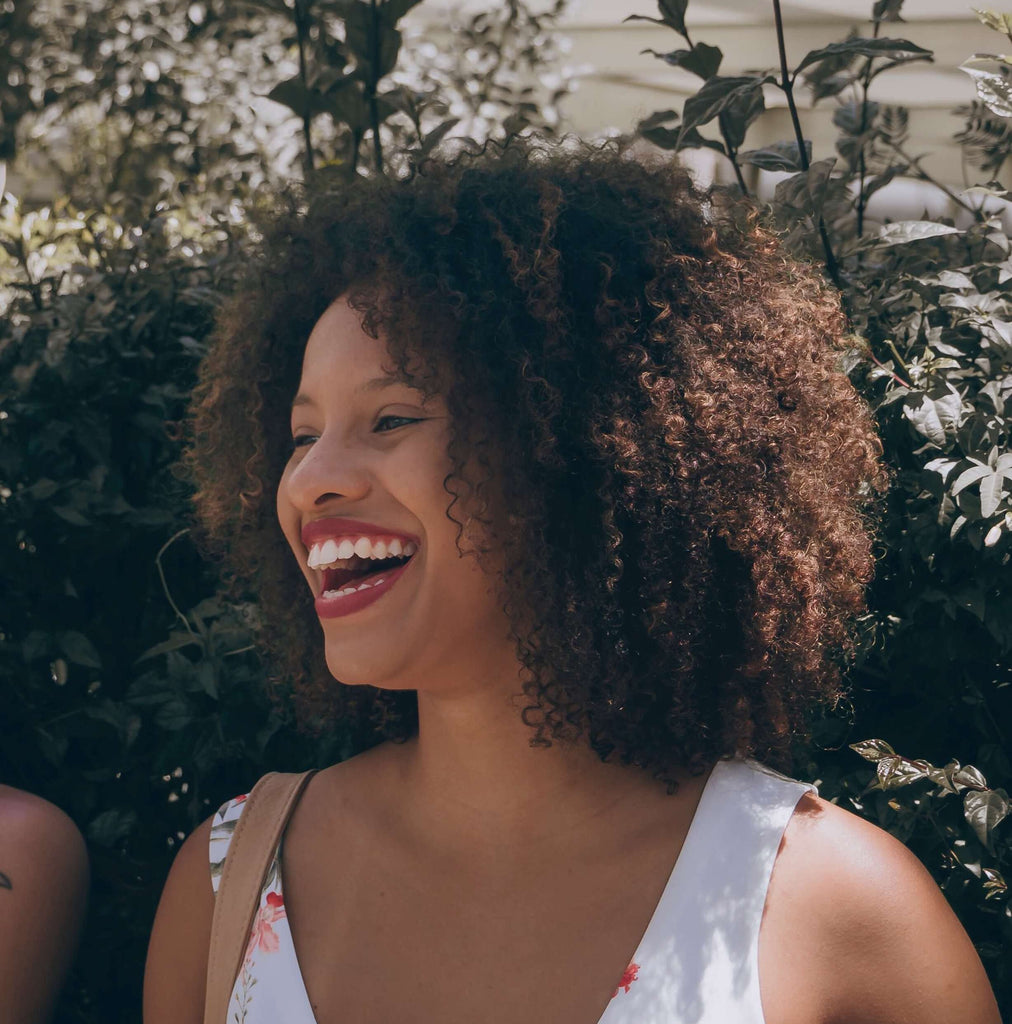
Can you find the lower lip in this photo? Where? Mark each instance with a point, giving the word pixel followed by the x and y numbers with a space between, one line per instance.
pixel 334 607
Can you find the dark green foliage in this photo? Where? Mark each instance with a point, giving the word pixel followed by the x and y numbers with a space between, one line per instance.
pixel 131 696
pixel 932 319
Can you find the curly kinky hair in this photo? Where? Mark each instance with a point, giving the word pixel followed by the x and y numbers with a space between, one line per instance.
pixel 649 418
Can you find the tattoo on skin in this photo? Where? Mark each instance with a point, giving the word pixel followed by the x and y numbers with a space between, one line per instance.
pixel 5 882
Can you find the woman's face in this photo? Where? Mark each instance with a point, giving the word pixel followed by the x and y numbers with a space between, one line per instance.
pixel 362 491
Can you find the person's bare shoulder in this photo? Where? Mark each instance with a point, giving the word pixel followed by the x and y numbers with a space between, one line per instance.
pixel 43 895
pixel 892 948
pixel 176 970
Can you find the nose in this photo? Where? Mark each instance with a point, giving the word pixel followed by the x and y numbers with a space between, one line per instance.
pixel 328 470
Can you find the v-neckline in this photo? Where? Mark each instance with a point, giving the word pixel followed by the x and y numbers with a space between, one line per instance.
pixel 657 916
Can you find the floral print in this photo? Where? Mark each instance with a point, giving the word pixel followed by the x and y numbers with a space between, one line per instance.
pixel 262 935
pixel 742 799
pixel 629 975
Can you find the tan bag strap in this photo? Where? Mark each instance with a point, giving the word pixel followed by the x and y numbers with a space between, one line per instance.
pixel 250 851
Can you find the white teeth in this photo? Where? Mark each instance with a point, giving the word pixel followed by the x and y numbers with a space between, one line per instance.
pixel 328 553
pixel 350 590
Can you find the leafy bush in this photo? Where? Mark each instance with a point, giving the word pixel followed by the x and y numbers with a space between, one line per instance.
pixel 135 717
pixel 929 305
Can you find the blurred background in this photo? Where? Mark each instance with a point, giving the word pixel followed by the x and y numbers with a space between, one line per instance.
pixel 138 139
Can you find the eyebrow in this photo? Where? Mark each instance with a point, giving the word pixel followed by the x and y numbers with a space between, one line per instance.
pixel 376 384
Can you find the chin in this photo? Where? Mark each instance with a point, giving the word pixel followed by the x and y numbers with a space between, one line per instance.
pixel 362 672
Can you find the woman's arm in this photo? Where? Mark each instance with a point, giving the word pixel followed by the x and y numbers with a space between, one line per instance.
pixel 894 951
pixel 176 969
pixel 43 894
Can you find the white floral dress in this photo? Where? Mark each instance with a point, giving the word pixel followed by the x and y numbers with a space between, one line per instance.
pixel 697 962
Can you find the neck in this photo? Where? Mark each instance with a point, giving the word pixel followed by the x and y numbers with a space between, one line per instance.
pixel 470 778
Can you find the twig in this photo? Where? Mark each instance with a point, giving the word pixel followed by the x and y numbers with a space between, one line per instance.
pixel 732 152
pixel 301 29
pixel 862 199
pixel 922 175
pixel 373 82
pixel 165 586
pixel 787 86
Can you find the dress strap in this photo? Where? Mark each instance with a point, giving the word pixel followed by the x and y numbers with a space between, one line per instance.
pixel 698 961
pixel 251 849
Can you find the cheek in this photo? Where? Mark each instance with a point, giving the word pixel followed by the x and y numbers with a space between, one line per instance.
pixel 288 517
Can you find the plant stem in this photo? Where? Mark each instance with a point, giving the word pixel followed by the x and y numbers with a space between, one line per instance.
pixel 922 175
pixel 377 145
pixel 732 153
pixel 862 199
pixel 302 31
pixel 787 85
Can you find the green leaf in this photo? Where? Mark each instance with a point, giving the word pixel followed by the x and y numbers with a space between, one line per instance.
pixel 999 22
pixel 174 714
pixel 968 777
pixel 718 94
pixel 672 14
pixel 293 94
pixel 992 490
pixel 873 750
pixel 176 640
pixel 934 418
pixel 968 477
pixel 781 156
pixel 864 48
pixel 899 232
pixel 894 772
pixel 111 826
pixel 393 10
pixel 985 811
pixel 736 117
pixel 806 191
pixel 79 649
pixel 437 135
pixel 887 10
pixel 993 89
pixel 701 60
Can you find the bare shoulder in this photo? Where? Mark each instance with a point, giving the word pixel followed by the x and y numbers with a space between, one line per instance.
pixel 176 970
pixel 886 944
pixel 43 894
pixel 37 833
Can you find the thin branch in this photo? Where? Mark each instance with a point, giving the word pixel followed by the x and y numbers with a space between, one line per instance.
pixel 922 175
pixel 165 586
pixel 732 153
pixel 787 85
pixel 377 145
pixel 862 199
pixel 301 31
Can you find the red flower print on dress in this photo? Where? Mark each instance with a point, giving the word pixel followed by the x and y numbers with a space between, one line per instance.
pixel 628 977
pixel 262 935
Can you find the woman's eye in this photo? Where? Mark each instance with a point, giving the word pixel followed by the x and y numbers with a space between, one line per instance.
pixel 396 421
pixel 299 442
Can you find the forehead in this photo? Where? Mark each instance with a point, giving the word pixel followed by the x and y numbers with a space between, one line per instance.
pixel 338 346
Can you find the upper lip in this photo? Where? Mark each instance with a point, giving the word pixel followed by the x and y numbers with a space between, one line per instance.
pixel 337 526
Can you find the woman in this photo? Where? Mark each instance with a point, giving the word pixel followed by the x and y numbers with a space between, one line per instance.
pixel 572 505
pixel 43 892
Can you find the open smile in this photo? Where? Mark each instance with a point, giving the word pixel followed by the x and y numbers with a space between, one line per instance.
pixel 354 569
